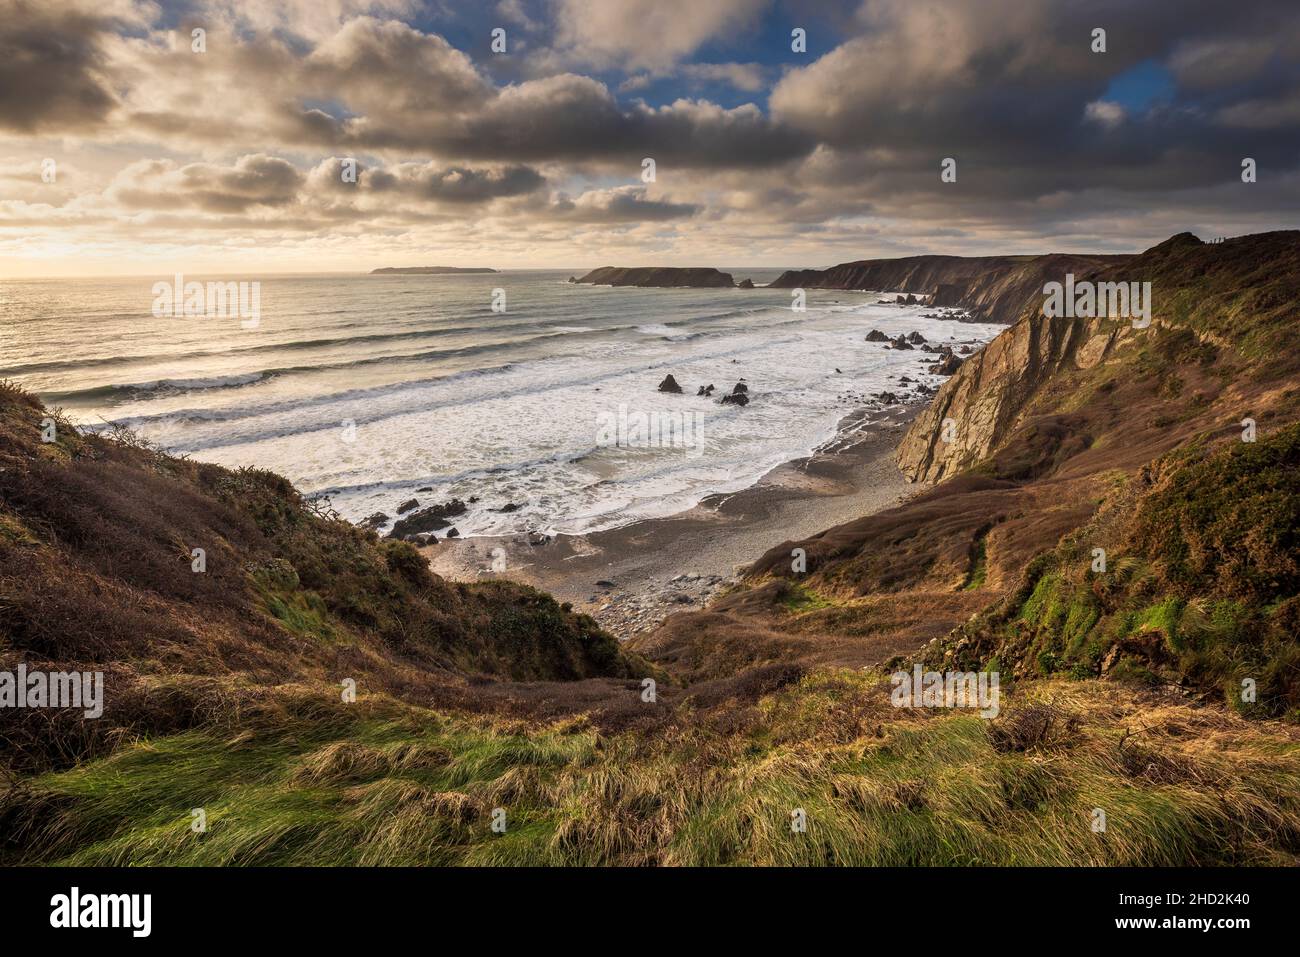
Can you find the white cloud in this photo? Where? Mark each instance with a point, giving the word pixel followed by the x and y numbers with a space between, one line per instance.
pixel 1105 113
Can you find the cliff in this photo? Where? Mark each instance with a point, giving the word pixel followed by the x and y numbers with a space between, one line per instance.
pixel 986 395
pixel 991 288
pixel 993 391
pixel 1063 440
pixel 659 276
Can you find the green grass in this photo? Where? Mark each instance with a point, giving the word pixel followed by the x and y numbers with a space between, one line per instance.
pixel 1164 617
pixel 797 598
pixel 1201 587
pixel 979 565
pixel 387 783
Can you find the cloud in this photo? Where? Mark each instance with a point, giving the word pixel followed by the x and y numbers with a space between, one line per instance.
pixel 622 204
pixel 254 180
pixel 1001 86
pixel 513 11
pixel 575 118
pixel 391 68
pixel 750 77
pixel 308 19
pixel 448 184
pixel 647 34
pixel 53 71
pixel 1104 113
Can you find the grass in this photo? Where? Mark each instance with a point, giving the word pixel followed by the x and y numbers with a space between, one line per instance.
pixel 797 598
pixel 979 566
pixel 1200 588
pixel 382 782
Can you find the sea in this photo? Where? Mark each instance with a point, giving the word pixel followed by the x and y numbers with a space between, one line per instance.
pixel 532 399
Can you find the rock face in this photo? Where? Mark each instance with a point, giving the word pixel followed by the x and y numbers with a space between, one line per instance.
pixel 667 277
pixel 735 398
pixel 427 270
pixel 990 288
pixel 875 335
pixel 670 385
pixel 901 343
pixel 987 397
pixel 746 284
pixel 987 393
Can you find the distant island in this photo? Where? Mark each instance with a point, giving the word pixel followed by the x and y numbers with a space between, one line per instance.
pixel 663 276
pixel 426 270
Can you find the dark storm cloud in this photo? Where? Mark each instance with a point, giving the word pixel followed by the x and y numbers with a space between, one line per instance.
pixel 1014 92
pixel 51 69
pixel 570 117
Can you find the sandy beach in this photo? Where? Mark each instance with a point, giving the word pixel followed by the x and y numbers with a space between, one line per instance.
pixel 630 578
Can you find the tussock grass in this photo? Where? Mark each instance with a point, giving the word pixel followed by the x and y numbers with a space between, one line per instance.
pixel 391 783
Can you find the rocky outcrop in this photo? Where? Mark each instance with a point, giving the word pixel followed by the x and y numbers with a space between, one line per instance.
pixel 875 335
pixel 739 395
pixel 746 284
pixel 660 277
pixel 670 385
pixel 990 288
pixel 948 365
pixel 429 519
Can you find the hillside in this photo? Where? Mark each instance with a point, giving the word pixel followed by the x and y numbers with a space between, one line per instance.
pixel 1122 689
pixel 96 543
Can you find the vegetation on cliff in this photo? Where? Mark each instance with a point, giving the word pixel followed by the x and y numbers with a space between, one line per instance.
pixel 97 571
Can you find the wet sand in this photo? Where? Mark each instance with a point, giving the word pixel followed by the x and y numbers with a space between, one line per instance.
pixel 630 578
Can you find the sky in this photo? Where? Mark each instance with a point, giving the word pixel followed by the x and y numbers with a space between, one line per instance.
pixel 219 136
